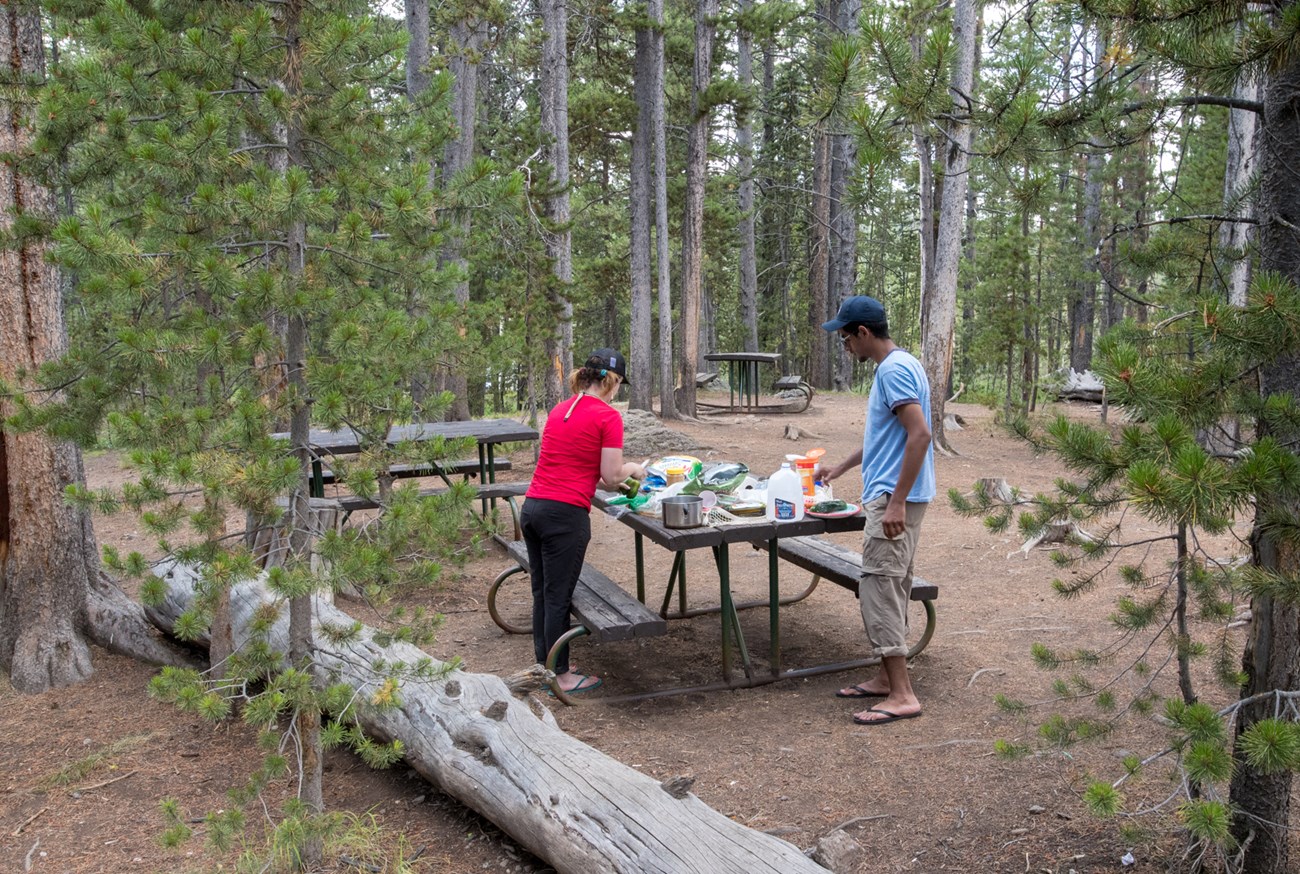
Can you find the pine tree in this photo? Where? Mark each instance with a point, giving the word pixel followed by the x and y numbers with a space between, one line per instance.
pixel 254 214
pixel 1157 470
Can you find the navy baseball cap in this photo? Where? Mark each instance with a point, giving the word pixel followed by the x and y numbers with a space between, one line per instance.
pixel 858 308
pixel 608 359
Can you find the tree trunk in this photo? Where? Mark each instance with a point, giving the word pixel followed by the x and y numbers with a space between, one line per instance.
pixel 819 260
pixel 506 758
pixel 1262 802
pixel 466 37
pixel 416 20
pixel 1235 237
pixel 745 196
pixel 697 168
pixel 300 643
pixel 641 209
pixel 941 306
pixel 1084 305
pixel 54 596
pixel 553 84
pixel 926 189
pixel 667 385
pixel 842 281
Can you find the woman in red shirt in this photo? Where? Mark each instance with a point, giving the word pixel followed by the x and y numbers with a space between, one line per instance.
pixel 582 445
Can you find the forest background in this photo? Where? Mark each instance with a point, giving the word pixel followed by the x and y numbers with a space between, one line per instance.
pixel 265 216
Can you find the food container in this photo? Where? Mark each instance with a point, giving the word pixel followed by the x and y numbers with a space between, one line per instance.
pixel 683 511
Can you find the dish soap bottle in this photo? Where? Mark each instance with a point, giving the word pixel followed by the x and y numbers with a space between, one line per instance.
pixel 784 495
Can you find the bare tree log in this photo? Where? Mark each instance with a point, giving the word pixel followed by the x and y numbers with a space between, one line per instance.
pixel 564 801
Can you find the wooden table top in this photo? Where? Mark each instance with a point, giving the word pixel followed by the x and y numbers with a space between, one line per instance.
pixel 761 357
pixel 678 539
pixel 346 440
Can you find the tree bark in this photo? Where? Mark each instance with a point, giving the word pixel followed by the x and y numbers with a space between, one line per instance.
pixel 416 19
pixel 941 306
pixel 506 758
pixel 553 85
pixel 54 596
pixel 466 38
pixel 667 386
pixel 1262 802
pixel 819 250
pixel 842 281
pixel 301 644
pixel 748 267
pixel 697 168
pixel 1084 305
pixel 641 210
pixel 1239 171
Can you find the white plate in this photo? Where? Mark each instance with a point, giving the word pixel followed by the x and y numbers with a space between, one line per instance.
pixel 850 510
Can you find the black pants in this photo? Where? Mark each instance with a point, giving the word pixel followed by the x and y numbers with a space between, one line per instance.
pixel 556 535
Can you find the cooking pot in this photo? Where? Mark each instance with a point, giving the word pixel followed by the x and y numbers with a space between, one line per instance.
pixel 683 511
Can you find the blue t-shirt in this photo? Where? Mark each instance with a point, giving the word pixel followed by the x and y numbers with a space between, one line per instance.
pixel 900 380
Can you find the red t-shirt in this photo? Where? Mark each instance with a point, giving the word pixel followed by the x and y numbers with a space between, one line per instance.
pixel 568 467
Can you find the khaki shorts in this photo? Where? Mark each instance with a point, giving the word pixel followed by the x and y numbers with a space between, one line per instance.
pixel 885 587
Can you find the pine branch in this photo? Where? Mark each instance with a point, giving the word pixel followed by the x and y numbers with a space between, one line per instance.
pixel 1256 106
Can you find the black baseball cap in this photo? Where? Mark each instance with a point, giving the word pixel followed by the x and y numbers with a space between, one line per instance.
pixel 608 359
pixel 859 308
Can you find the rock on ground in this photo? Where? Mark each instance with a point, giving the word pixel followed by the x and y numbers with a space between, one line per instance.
pixel 644 436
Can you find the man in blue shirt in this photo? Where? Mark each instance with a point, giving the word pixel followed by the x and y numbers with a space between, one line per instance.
pixel 897 461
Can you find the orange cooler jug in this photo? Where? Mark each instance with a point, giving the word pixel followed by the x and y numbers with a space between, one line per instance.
pixel 804 467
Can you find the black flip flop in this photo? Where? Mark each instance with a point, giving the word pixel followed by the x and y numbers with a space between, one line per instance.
pixel 859 693
pixel 889 717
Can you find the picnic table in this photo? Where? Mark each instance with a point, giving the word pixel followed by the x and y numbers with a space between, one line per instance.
pixel 606 612
pixel 744 385
pixel 488 433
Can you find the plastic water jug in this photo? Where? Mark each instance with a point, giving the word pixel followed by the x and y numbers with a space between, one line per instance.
pixel 784 496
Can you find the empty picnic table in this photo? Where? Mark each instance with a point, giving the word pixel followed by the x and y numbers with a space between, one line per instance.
pixel 488 433
pixel 745 385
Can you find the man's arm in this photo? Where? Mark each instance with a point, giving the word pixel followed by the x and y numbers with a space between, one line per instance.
pixel 913 421
pixel 854 460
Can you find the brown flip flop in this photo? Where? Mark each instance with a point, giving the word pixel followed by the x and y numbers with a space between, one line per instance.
pixel 859 692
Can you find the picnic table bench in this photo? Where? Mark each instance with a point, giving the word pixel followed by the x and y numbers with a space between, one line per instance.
pixel 603 610
pixel 444 470
pixel 843 566
pixel 508 492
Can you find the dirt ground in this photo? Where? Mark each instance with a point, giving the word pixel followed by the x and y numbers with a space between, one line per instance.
pixel 82 770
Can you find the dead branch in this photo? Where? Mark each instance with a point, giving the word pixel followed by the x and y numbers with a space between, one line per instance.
pixel 28 821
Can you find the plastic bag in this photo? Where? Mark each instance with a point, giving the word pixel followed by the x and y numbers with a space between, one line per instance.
pixel 633 504
pixel 722 478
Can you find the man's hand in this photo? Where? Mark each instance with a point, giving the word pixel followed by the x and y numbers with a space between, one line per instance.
pixel 894 520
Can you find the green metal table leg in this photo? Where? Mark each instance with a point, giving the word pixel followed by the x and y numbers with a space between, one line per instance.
pixel 640 567
pixel 727 613
pixel 317 489
pixel 486 472
pixel 730 618
pixel 774 598
pixel 681 584
pixel 675 577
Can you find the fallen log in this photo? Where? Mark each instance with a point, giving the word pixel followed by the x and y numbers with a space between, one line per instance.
pixel 506 758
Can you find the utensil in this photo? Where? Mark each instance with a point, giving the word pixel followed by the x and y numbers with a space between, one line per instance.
pixel 683 511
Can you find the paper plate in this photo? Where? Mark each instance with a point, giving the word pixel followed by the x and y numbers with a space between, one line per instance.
pixel 850 510
pixel 660 466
